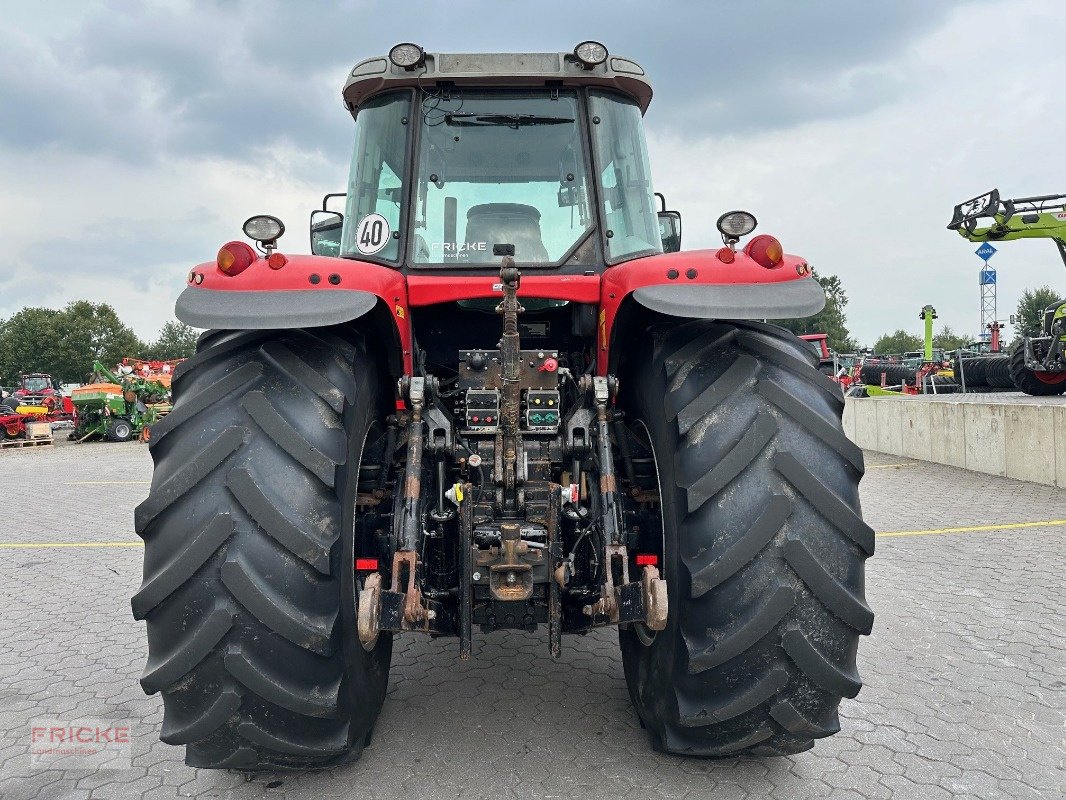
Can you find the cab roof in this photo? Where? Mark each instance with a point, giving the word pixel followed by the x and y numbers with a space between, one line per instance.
pixel 378 74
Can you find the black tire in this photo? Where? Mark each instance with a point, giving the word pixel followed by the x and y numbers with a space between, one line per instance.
pixel 119 429
pixel 764 548
pixel 895 374
pixel 973 372
pixel 943 384
pixel 871 373
pixel 249 586
pixel 997 372
pixel 1027 381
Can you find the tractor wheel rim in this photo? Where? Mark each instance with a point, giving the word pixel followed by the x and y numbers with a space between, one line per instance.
pixel 646 635
pixel 1050 378
pixel 359 585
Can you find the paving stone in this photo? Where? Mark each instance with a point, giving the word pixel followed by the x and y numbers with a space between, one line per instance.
pixel 965 671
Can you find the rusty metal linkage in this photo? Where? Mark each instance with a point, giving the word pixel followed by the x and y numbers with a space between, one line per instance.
pixel 510 363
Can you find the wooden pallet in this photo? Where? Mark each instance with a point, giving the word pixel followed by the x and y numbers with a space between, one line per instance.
pixel 13 444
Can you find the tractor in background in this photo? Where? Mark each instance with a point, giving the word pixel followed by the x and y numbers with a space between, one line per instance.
pixel 1037 364
pixel 37 394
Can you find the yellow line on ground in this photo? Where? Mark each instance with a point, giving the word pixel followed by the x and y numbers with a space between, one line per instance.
pixel 42 545
pixel 1002 527
pixel 106 483
pixel 972 529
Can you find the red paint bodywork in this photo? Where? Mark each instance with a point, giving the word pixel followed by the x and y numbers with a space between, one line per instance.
pixel 822 340
pixel 426 290
pixel 401 293
pixel 620 281
pixel 388 284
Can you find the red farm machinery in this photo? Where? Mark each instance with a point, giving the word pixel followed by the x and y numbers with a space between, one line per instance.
pixel 498 396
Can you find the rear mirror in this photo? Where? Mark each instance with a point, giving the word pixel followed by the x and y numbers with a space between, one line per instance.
pixel 326 233
pixel 670 230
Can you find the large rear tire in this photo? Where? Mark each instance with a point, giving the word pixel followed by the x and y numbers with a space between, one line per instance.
pixel 1038 384
pixel 764 547
pixel 249 588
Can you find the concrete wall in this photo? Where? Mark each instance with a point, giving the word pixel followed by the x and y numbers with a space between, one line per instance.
pixel 1026 441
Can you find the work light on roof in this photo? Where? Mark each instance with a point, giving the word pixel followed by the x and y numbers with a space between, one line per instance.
pixel 407 55
pixel 590 54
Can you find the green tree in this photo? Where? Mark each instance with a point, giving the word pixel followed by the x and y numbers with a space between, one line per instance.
pixel 1031 307
pixel 899 342
pixel 176 340
pixel 64 343
pixel 29 343
pixel 90 332
pixel 830 320
pixel 947 339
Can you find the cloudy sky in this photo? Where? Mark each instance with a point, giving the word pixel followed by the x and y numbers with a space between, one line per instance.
pixel 136 136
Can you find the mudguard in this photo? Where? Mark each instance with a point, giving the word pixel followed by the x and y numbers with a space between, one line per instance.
pixel 708 284
pixel 258 310
pixel 304 292
pixel 787 300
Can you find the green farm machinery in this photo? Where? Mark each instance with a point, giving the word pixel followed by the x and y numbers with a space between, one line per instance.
pixel 117 407
pixel 1037 363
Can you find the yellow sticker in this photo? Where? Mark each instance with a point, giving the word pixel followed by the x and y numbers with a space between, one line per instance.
pixel 400 312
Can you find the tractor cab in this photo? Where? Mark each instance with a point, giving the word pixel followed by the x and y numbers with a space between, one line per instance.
pixel 456 155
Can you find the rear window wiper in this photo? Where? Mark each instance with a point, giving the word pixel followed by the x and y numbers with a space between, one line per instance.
pixel 510 120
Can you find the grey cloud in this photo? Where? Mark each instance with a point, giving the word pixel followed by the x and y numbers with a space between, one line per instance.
pixel 145 82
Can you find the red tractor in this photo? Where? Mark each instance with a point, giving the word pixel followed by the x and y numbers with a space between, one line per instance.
pixel 36 389
pixel 492 401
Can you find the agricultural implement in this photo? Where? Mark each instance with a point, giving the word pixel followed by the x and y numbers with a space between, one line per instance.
pixel 117 406
pixel 499 397
pixel 1037 364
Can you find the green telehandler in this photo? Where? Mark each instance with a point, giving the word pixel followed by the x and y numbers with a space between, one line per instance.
pixel 1037 363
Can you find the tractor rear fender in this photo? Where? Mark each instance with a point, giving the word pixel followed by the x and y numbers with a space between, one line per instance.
pixel 304 292
pixel 700 285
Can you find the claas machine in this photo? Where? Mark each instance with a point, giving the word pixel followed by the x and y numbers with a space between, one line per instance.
pixel 1037 363
pixel 491 400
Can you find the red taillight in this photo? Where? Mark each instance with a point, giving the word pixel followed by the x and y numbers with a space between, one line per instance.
pixel 765 251
pixel 234 258
pixel 726 256
pixel 366 565
pixel 647 559
pixel 276 261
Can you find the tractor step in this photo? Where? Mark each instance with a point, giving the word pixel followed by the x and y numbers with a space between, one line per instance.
pixel 13 444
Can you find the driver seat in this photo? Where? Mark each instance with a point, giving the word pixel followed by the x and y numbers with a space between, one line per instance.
pixel 506 223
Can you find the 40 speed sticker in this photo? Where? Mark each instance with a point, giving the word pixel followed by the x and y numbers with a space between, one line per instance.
pixel 372 234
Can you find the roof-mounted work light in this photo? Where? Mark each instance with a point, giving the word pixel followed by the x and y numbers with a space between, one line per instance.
pixel 590 54
pixel 407 55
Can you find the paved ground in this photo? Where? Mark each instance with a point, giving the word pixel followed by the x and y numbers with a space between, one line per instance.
pixel 965 672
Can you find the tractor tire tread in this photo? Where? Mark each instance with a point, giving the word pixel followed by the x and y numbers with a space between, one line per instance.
pixel 243 552
pixel 766 583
